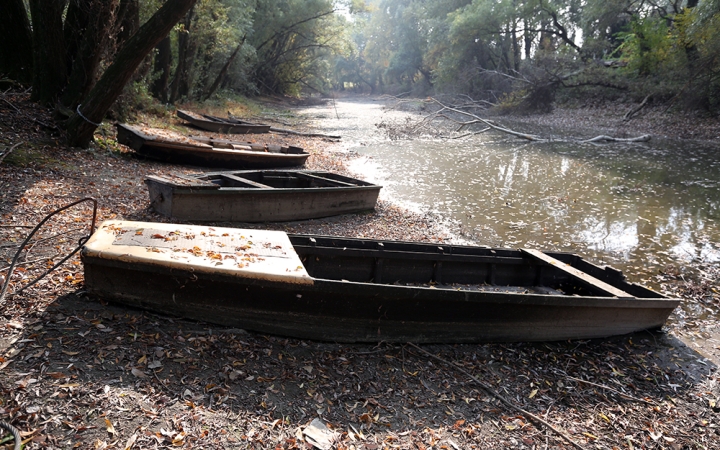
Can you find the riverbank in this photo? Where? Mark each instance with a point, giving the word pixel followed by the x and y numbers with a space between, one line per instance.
pixel 78 372
pixel 609 119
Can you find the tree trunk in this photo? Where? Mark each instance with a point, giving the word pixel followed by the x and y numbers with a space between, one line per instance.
pixel 16 49
pixel 49 64
pixel 224 70
pixel 163 61
pixel 92 40
pixel 187 78
pixel 515 48
pixel 129 20
pixel 80 126
pixel 527 39
pixel 181 69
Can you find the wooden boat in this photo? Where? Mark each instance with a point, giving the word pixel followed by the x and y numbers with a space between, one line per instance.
pixel 259 195
pixel 362 290
pixel 175 148
pixel 220 125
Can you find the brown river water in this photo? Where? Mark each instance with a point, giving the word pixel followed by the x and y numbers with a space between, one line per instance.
pixel 642 208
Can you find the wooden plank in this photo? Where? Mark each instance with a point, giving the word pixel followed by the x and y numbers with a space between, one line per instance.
pixel 327 180
pixel 246 181
pixel 575 273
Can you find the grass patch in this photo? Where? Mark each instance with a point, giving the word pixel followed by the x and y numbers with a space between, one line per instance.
pixel 33 154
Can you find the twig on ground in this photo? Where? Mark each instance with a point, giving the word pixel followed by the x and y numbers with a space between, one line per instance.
pixel 628 115
pixel 602 386
pixel 11 105
pixel 2 157
pixel 502 399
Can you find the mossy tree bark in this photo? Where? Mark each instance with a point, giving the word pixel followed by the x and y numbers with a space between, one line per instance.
pixel 82 125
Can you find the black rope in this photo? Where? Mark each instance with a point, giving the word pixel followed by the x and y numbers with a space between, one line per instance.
pixel 81 242
pixel 15 432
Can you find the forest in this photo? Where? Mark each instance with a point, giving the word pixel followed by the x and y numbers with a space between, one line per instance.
pixel 90 58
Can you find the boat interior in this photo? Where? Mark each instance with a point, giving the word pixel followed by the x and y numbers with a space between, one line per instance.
pixel 263 179
pixel 460 268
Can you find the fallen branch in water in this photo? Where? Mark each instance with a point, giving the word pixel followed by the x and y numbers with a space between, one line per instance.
pixel 442 113
pixel 643 138
pixel 535 418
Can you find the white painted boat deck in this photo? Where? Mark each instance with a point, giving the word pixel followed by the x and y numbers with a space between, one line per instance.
pixel 244 253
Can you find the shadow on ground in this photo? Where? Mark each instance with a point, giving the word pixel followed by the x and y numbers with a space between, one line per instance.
pixel 84 372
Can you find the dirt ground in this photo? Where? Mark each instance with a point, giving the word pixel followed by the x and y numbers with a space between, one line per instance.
pixel 78 372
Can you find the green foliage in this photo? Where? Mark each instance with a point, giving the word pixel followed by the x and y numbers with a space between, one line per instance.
pixel 135 98
pixel 648 47
pixel 295 42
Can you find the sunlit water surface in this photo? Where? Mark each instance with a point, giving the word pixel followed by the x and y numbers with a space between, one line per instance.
pixel 638 207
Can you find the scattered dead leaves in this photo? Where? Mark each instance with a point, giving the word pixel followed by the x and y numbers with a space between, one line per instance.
pixel 78 373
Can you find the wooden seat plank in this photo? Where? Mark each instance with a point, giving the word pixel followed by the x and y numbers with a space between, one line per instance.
pixel 575 273
pixel 319 178
pixel 245 181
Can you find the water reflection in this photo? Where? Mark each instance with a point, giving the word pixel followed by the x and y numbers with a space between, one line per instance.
pixel 639 207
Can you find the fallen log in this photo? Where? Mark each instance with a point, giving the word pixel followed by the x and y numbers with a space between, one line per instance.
pixel 602 137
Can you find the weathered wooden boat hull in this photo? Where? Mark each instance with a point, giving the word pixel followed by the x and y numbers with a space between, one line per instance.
pixel 260 196
pixel 196 153
pixel 219 125
pixel 369 291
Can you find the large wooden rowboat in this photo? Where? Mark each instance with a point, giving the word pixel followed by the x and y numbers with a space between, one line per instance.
pixel 220 125
pixel 360 290
pixel 259 195
pixel 174 148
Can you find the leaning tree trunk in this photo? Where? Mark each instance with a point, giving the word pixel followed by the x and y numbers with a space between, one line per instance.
pixel 81 126
pixel 49 64
pixel 224 70
pixel 16 50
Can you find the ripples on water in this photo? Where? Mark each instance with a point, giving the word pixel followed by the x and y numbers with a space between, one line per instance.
pixel 639 207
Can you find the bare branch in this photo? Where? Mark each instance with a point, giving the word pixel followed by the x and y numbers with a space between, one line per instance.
pixel 443 113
